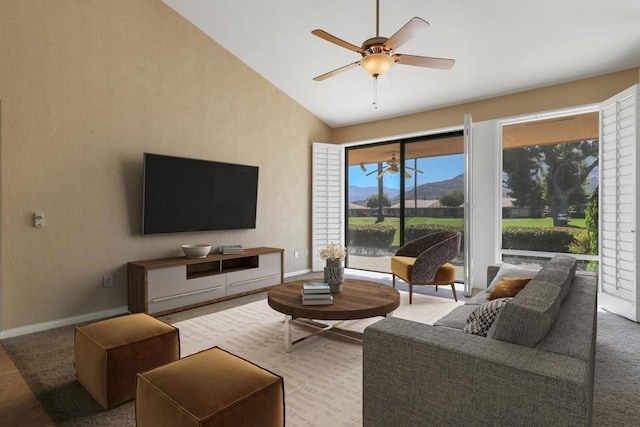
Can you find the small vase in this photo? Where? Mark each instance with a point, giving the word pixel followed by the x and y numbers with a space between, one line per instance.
pixel 334 274
pixel 334 263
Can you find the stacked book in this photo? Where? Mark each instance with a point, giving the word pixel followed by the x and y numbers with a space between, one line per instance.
pixel 231 249
pixel 314 293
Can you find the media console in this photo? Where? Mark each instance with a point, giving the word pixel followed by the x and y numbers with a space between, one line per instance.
pixel 161 286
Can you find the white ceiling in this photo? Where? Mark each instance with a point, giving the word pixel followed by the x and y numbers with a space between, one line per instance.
pixel 500 47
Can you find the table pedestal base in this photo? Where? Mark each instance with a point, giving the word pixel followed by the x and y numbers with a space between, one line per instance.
pixel 335 327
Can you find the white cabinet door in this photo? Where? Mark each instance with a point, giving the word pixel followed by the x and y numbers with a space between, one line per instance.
pixel 267 274
pixel 619 281
pixel 169 288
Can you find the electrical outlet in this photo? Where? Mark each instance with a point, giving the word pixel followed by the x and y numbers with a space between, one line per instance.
pixel 295 254
pixel 107 281
pixel 38 219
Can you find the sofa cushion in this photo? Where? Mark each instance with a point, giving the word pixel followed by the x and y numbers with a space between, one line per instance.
pixel 481 319
pixel 510 270
pixel 457 318
pixel 569 336
pixel 560 271
pixel 529 315
pixel 508 287
pixel 477 299
pixel 561 260
pixel 402 266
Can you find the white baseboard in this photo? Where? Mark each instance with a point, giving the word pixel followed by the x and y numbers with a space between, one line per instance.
pixel 75 320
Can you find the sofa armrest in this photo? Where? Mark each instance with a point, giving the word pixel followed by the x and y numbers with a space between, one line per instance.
pixel 418 374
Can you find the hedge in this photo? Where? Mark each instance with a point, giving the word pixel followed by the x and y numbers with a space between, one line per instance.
pixel 371 236
pixel 557 239
pixel 412 232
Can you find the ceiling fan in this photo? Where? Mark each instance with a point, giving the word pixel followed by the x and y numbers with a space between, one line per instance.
pixel 393 166
pixel 378 53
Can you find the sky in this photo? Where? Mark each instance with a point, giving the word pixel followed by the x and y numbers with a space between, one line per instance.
pixel 434 169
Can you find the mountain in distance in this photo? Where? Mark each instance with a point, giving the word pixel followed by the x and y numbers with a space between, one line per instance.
pixel 361 194
pixel 435 190
pixel 430 191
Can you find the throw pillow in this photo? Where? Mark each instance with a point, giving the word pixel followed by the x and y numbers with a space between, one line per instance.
pixel 481 319
pixel 511 270
pixel 508 287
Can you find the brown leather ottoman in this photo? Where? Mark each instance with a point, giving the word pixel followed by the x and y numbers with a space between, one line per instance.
pixel 210 388
pixel 109 354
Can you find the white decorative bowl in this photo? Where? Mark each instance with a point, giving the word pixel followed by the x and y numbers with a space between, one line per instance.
pixel 196 251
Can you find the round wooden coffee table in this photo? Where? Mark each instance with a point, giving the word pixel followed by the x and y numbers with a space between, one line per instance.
pixel 359 299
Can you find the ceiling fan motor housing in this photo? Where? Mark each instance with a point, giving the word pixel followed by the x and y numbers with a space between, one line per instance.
pixel 375 45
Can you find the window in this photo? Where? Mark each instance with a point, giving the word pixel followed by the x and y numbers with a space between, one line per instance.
pixel 550 189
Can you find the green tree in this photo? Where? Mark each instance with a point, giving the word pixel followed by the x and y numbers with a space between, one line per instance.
pixel 553 174
pixel 453 198
pixel 569 165
pixel 372 201
pixel 523 168
pixel 591 221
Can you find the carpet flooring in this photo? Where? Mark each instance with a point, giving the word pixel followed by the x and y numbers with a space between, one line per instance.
pixel 45 359
pixel 323 376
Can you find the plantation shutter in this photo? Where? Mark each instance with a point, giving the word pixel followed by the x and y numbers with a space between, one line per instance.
pixel 327 204
pixel 619 279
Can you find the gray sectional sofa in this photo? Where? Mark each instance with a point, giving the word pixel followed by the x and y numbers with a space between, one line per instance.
pixel 535 367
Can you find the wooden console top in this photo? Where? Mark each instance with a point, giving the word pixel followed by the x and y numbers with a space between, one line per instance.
pixel 182 260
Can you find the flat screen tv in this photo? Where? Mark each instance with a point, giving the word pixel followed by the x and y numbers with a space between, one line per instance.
pixel 182 195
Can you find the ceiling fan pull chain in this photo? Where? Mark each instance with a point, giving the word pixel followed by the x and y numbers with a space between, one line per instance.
pixel 375 92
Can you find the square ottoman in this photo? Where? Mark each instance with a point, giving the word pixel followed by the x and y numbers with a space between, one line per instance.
pixel 210 388
pixel 109 354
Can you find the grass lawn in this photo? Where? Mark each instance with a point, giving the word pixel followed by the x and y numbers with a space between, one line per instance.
pixel 540 222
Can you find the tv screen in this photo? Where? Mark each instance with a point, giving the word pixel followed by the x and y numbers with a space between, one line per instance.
pixel 183 195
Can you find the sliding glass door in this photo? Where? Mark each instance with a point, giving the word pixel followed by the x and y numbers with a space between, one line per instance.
pixel 399 191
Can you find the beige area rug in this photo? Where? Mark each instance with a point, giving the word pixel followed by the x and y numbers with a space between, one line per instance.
pixel 322 377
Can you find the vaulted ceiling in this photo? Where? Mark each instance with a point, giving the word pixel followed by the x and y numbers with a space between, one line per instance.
pixel 500 47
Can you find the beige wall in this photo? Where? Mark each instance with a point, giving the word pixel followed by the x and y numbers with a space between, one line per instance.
pixel 87 86
pixel 567 95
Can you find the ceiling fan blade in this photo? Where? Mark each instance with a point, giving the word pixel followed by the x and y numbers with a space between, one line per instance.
pixel 413 169
pixel 382 173
pixel 335 40
pixel 407 175
pixel 364 169
pixel 372 172
pixel 424 61
pixel 336 71
pixel 406 33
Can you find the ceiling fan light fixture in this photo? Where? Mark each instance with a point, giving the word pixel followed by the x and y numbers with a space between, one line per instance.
pixel 376 64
